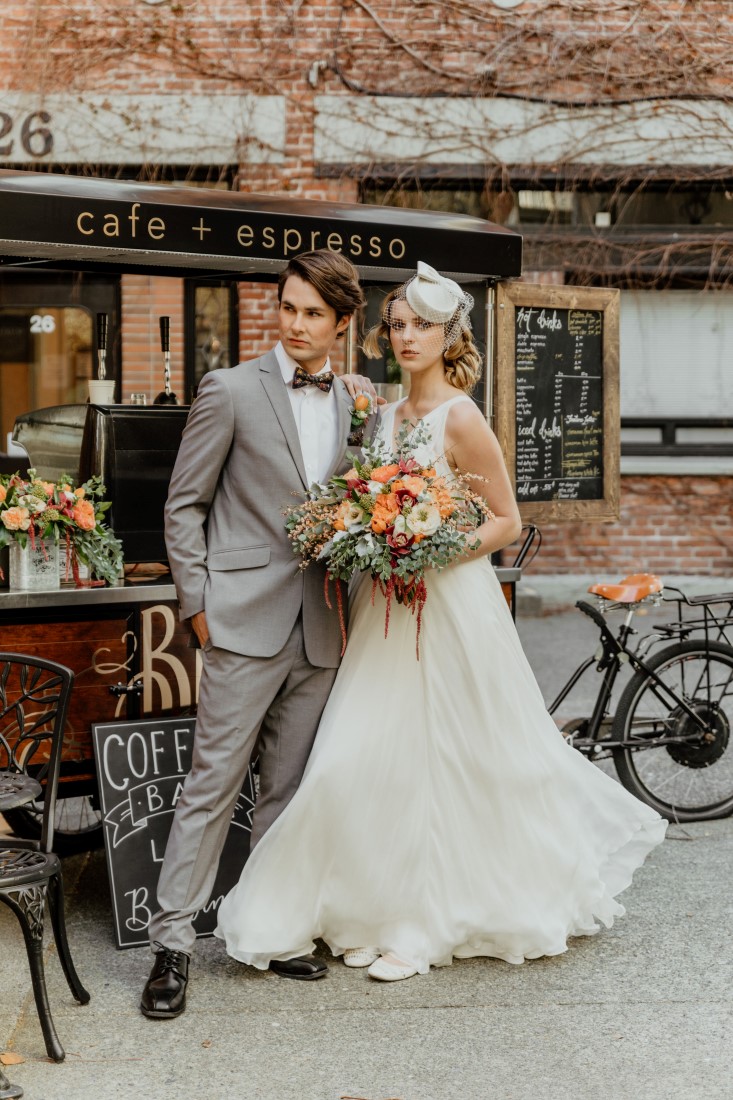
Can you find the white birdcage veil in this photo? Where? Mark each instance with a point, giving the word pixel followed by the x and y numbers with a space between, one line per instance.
pixel 435 299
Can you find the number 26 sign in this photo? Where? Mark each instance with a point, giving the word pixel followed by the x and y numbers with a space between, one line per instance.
pixel 42 322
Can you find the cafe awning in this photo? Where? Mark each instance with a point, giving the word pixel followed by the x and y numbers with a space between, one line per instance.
pixel 107 225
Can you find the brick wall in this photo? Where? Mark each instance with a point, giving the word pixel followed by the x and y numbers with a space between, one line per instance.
pixel 580 49
pixel 145 298
pixel 667 525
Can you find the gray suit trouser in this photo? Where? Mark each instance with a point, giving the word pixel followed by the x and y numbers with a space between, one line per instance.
pixel 274 703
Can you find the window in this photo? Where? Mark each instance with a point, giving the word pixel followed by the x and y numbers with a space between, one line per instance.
pixel 45 359
pixel 521 204
pixel 212 330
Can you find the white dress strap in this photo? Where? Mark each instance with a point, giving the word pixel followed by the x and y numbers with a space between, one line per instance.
pixel 436 420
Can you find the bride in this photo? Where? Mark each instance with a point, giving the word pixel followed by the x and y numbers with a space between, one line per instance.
pixel 442 814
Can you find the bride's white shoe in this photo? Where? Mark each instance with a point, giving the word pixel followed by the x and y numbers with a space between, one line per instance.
pixel 360 956
pixel 389 969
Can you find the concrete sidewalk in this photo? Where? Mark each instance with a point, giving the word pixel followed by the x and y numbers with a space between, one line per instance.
pixel 643 1011
pixel 640 1012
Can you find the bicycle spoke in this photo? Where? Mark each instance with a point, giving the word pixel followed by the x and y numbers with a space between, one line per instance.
pixel 692 775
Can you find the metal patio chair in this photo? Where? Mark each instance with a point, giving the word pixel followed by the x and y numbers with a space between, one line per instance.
pixel 34 700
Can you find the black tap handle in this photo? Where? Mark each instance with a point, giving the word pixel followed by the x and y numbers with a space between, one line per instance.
pixel 165 334
pixel 102 326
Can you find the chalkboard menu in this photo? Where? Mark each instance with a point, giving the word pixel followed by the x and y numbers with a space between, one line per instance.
pixel 557 398
pixel 141 767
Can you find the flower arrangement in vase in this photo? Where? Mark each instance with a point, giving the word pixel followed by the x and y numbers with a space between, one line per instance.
pixel 39 516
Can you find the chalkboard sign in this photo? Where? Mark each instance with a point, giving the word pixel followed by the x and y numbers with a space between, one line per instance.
pixel 141 767
pixel 557 398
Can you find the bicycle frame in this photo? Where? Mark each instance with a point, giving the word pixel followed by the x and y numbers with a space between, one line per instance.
pixel 611 654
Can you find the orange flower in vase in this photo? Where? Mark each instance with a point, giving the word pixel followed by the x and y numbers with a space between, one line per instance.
pixel 83 515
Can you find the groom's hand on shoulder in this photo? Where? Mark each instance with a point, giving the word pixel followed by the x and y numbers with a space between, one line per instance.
pixel 359 383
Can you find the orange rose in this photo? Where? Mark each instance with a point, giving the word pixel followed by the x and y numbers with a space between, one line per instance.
pixel 384 473
pixel 3 493
pixel 83 515
pixel 17 519
pixel 443 499
pixel 361 403
pixel 48 488
pixel 432 472
pixel 80 493
pixel 386 510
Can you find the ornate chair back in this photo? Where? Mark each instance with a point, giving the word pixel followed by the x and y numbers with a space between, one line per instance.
pixel 34 702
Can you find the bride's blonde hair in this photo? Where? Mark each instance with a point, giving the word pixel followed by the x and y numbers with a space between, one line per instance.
pixel 463 360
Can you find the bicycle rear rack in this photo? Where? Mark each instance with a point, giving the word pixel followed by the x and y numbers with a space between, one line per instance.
pixel 714 626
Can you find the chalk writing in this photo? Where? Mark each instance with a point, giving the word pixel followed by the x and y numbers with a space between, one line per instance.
pixel 559 402
pixel 141 768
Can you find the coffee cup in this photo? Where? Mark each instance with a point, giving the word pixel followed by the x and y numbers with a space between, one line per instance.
pixel 102 391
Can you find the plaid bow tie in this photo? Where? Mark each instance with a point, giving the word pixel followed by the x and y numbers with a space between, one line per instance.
pixel 302 378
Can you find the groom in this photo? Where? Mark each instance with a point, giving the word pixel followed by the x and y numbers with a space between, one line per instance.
pixel 256 434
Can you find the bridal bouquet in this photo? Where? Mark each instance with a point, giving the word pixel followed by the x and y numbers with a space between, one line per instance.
pixel 32 509
pixel 392 516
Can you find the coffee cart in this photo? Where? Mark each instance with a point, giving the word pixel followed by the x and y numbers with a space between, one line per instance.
pixel 129 652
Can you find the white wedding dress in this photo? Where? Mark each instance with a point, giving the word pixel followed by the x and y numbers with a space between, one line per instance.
pixel 442 815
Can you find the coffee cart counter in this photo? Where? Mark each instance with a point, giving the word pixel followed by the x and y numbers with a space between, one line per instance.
pixel 126 592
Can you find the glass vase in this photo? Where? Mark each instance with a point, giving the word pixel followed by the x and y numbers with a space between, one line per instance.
pixel 35 568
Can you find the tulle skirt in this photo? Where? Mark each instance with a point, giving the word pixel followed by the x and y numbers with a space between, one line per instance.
pixel 442 814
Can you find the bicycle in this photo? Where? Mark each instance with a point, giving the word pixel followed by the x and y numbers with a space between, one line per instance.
pixel 670 734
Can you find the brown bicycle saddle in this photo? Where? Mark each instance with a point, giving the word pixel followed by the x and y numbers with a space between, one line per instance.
pixel 631 589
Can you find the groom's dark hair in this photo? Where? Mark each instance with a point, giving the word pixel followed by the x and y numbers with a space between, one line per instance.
pixel 333 276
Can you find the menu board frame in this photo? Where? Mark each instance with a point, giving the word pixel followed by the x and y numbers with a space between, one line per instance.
pixel 517 295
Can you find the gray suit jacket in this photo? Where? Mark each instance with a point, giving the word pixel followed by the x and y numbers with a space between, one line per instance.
pixel 238 467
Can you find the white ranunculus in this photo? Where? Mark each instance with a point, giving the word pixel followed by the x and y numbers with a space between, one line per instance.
pixel 354 517
pixel 424 519
pixel 33 504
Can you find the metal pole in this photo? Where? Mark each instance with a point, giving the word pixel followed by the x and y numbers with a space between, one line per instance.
pixel 350 347
pixel 490 352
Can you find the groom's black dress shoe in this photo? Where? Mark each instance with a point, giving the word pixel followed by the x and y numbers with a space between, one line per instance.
pixel 164 996
pixel 304 969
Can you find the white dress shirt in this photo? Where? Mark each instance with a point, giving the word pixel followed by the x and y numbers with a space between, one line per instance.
pixel 316 418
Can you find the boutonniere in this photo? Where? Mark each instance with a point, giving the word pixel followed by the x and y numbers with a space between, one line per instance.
pixel 361 410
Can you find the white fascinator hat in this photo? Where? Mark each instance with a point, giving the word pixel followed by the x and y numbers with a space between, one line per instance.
pixel 431 296
pixel 437 300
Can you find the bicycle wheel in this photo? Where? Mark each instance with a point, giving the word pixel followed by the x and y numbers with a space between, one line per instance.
pixel 77 827
pixel 692 778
